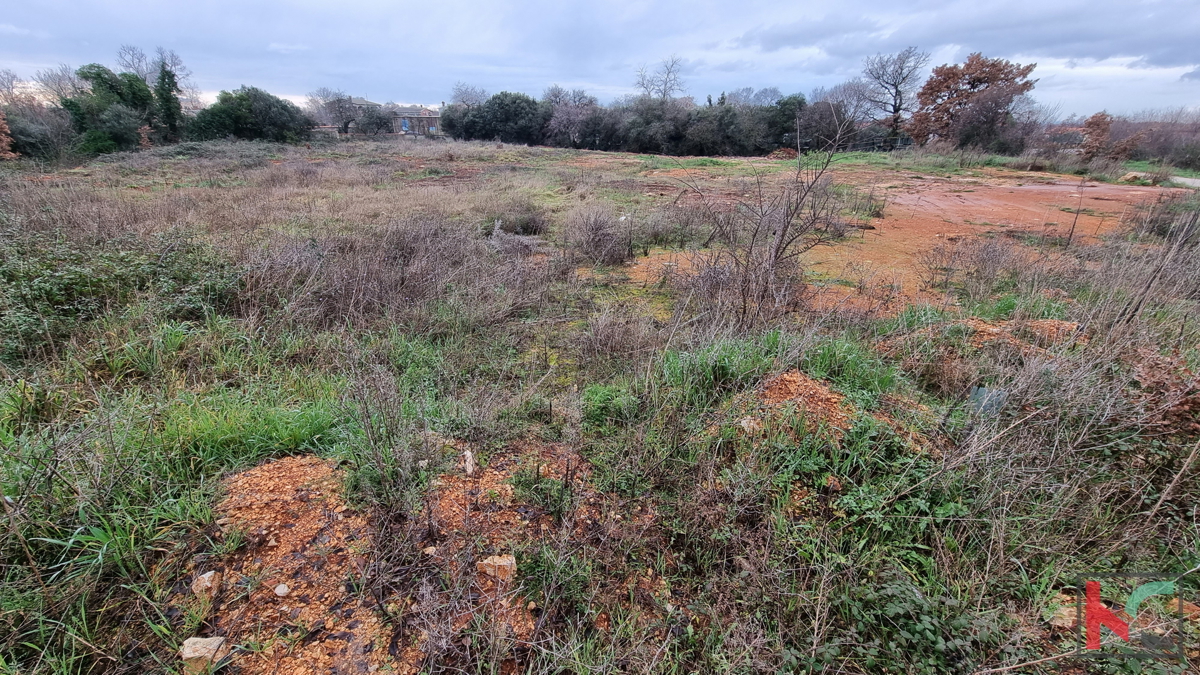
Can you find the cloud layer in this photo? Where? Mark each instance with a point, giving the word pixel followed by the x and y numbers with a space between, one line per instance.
pixel 1123 56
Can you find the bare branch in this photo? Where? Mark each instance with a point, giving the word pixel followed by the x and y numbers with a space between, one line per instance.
pixel 467 95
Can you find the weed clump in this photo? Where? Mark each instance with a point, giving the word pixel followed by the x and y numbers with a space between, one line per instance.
pixel 595 233
pixel 606 407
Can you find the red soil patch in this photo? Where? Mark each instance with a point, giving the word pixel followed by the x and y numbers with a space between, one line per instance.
pixel 673 173
pixel 923 211
pixel 1045 332
pixel 605 160
pixel 811 396
pixel 659 267
pixel 301 534
pixel 463 174
pixel 1049 332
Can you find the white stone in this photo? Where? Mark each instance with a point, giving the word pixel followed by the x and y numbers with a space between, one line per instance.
pixel 207 585
pixel 200 655
pixel 281 590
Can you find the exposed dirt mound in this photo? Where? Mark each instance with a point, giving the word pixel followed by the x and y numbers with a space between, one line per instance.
pixel 784 153
pixel 288 597
pixel 1170 391
pixel 1027 337
pixel 1048 332
pixel 813 397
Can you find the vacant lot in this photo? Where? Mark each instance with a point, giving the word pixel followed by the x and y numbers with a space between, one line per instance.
pixel 468 407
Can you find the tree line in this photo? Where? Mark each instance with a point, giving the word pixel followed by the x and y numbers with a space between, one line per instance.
pixel 981 103
pixel 96 109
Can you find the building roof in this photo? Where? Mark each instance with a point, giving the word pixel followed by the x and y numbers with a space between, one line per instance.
pixel 354 100
pixel 414 111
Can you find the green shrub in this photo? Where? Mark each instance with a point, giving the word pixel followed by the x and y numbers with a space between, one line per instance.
pixel 608 406
pixel 1010 306
pixel 556 497
pixel 96 142
pixel 895 627
pixel 557 580
pixel 51 285
pixel 251 114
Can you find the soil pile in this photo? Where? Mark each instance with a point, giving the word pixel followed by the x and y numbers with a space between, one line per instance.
pixel 811 396
pixel 288 597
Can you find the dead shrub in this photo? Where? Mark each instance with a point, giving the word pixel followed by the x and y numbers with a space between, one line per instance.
pixel 672 226
pixel 1174 217
pixel 753 272
pixel 419 271
pixel 1105 167
pixel 292 173
pixel 618 334
pixel 978 266
pixel 746 290
pixel 594 232
pixel 516 214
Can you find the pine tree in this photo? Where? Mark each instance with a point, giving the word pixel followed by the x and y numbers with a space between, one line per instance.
pixel 166 97
pixel 6 140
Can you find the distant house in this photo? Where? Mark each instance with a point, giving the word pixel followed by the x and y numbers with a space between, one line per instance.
pixel 413 120
pixel 416 120
pixel 361 104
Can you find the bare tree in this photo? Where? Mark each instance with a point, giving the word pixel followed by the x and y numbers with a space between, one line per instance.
pixel 466 95
pixel 569 111
pixel 60 82
pixel 664 82
pixel 9 85
pixel 853 97
pixel 331 107
pixel 183 74
pixel 747 96
pixel 739 97
pixel 132 59
pixel 766 96
pixel 894 80
pixel 752 269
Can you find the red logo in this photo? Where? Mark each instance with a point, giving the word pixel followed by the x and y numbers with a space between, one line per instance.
pixel 1097 614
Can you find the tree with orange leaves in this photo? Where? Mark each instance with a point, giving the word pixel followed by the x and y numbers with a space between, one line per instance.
pixel 953 91
pixel 1095 135
pixel 6 140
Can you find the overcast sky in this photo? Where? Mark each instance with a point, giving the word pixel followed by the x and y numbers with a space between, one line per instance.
pixel 1119 55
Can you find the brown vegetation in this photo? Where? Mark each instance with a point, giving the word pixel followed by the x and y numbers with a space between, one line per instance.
pixel 452 393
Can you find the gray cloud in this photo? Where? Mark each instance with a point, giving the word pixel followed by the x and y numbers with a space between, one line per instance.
pixel 9 29
pixel 806 32
pixel 282 48
pixel 1091 54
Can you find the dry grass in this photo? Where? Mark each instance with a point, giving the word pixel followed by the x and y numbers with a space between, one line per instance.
pixel 398 304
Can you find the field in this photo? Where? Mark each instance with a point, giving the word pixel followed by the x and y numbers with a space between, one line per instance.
pixel 443 407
